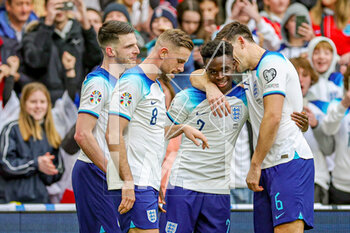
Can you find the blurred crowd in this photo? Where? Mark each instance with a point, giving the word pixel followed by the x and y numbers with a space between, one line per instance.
pixel 48 46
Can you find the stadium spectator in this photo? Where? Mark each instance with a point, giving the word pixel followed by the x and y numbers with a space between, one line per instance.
pixel 95 18
pixel 332 19
pixel 274 11
pixel 93 4
pixel 14 17
pixel 323 57
pixel 8 73
pixel 211 17
pixel 337 123
pixel 30 157
pixel 138 11
pixel 247 13
pixel 118 12
pixel 44 45
pixel 316 111
pixel 295 40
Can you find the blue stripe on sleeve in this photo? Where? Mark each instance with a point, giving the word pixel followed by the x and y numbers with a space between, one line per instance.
pixel 171 119
pixel 120 114
pixel 89 112
pixel 274 93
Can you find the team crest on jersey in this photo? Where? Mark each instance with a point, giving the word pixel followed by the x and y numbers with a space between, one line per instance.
pixel 269 75
pixel 95 97
pixel 125 99
pixel 170 227
pixel 152 215
pixel 236 113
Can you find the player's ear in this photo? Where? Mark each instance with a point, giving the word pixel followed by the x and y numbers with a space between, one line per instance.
pixel 163 52
pixel 110 52
pixel 241 41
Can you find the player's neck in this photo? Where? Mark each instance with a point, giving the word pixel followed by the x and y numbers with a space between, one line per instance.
pixel 150 67
pixel 256 54
pixel 113 68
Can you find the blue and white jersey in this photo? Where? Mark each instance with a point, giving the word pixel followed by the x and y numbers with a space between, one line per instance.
pixel 142 102
pixel 327 90
pixel 275 74
pixel 206 170
pixel 95 98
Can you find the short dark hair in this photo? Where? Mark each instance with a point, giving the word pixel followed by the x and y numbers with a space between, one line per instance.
pixel 111 30
pixel 176 37
pixel 234 29
pixel 216 48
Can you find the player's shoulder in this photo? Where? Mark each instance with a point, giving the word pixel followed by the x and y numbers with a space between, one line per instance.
pixel 99 78
pixel 190 98
pixel 238 92
pixel 136 77
pixel 271 59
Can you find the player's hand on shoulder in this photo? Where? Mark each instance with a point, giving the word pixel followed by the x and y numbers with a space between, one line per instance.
pixel 194 134
pixel 128 197
pixel 301 119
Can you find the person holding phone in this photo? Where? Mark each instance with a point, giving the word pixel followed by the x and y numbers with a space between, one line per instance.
pixel 296 31
pixel 43 47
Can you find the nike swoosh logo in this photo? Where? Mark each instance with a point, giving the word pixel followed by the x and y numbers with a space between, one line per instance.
pixel 277 217
pixel 153 102
pixel 199 114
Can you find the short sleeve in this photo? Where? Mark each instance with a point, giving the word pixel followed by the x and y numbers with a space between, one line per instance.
pixel 125 97
pixel 177 112
pixel 93 96
pixel 273 75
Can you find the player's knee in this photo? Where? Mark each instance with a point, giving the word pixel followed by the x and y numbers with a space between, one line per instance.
pixel 290 227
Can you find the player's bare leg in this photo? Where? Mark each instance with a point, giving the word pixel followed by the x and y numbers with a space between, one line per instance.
pixel 291 227
pixel 138 230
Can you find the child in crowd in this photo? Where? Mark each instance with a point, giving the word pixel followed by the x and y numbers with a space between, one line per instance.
pixel 295 40
pixel 274 11
pixel 323 56
pixel 337 123
pixel 315 110
pixel 263 32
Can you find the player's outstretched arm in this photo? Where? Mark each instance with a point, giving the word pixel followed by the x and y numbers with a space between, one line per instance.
pixel 87 142
pixel 190 132
pixel 116 146
pixel 273 105
pixel 217 101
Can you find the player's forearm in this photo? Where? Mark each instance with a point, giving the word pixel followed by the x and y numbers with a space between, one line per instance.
pixel 120 160
pixel 90 147
pixel 173 131
pixel 267 135
pixel 199 79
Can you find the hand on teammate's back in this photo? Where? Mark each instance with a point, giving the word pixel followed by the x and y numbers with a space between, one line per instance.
pixel 301 120
pixel 46 165
pixel 193 134
pixel 128 197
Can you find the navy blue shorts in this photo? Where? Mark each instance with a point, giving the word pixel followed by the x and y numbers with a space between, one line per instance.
pixel 191 211
pixel 288 195
pixel 144 213
pixel 94 203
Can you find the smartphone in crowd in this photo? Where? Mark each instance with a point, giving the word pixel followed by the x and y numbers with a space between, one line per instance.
pixel 67 6
pixel 299 20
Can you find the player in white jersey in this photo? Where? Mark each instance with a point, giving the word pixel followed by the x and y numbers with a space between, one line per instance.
pixel 95 209
pixel 282 170
pixel 198 195
pixel 135 131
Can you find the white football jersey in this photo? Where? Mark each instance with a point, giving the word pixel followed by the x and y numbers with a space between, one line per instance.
pixel 95 98
pixel 206 170
pixel 275 74
pixel 142 102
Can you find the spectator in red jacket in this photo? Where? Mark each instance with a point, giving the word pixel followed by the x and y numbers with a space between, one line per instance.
pixel 331 19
